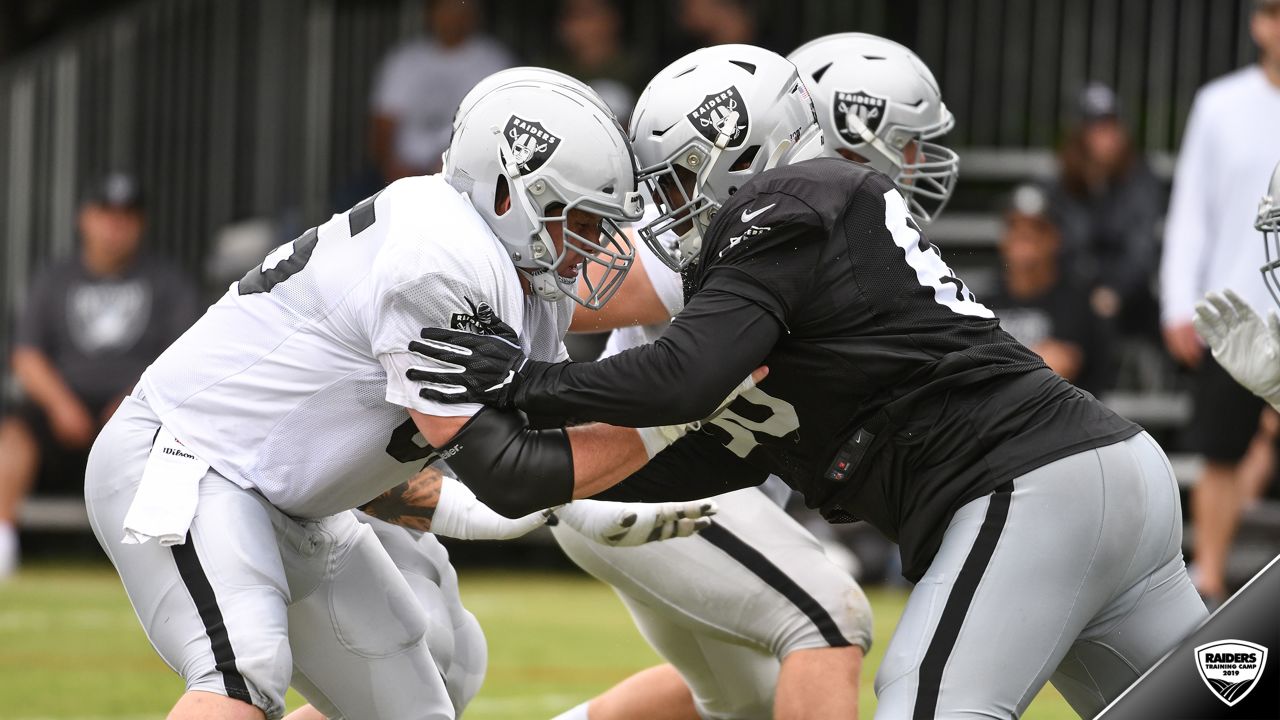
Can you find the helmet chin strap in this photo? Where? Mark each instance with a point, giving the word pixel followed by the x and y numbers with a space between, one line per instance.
pixel 854 123
pixel 542 241
pixel 727 129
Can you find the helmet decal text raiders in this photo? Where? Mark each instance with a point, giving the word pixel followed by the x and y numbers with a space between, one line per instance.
pixel 711 114
pixel 531 144
pixel 869 108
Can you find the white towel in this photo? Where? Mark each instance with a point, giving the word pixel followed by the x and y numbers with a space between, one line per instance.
pixel 166 499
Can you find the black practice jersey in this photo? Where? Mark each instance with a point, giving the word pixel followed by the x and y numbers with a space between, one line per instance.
pixel 893 395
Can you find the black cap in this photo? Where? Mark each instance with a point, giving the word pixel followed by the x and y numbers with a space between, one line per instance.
pixel 1097 102
pixel 117 190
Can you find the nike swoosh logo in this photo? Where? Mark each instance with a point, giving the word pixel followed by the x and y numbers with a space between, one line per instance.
pixel 749 216
pixel 511 375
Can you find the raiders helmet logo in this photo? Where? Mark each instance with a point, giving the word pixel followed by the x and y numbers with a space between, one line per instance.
pixel 481 320
pixel 713 112
pixel 870 109
pixel 531 145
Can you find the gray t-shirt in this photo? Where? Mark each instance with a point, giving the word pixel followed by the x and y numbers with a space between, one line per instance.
pixel 100 333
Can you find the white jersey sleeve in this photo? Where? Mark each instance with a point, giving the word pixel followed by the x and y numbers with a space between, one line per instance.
pixel 436 300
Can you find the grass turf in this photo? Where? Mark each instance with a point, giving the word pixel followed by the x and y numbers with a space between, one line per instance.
pixel 71 648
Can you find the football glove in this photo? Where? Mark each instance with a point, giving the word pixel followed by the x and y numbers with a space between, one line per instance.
pixel 629 524
pixel 1242 343
pixel 470 368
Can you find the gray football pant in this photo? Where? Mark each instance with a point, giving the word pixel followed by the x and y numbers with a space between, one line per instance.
pixel 1071 573
pixel 255 600
pixel 726 606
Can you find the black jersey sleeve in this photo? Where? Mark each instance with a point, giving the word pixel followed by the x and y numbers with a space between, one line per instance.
pixel 711 346
pixel 697 466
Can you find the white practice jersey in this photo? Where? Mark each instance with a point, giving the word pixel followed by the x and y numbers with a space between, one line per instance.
pixel 294 384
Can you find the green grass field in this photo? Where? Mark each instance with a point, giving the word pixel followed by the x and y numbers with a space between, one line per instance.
pixel 70 647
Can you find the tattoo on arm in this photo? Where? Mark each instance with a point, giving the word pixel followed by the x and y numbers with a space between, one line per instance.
pixel 411 504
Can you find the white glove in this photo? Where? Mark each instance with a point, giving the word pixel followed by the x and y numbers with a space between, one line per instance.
pixel 460 514
pixel 657 439
pixel 628 524
pixel 1242 343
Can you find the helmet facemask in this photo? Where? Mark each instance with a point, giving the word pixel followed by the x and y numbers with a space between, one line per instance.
pixel 679 186
pixel 1268 223
pixel 924 171
pixel 607 251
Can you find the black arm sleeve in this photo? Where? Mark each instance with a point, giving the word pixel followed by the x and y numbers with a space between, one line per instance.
pixel 696 466
pixel 510 467
pixel 712 345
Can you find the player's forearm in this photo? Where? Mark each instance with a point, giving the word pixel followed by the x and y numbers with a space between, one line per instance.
pixel 603 455
pixel 710 347
pixel 40 380
pixel 411 504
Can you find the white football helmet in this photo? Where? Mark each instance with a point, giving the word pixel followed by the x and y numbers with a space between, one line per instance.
pixel 1268 223
pixel 877 100
pixel 718 116
pixel 550 149
pixel 526 73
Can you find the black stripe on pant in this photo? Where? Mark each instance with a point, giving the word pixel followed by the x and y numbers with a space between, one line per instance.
pixel 957 607
pixel 753 560
pixel 197 583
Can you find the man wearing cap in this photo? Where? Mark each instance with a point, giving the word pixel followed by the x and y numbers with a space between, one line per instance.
pixel 1041 306
pixel 1107 205
pixel 91 324
pixel 1228 150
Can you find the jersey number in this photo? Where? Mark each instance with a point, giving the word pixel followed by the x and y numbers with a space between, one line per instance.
pixel 926 260
pixel 293 257
pixel 777 419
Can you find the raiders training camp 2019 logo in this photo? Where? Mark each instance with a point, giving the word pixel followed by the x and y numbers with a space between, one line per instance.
pixel 531 145
pixel 481 320
pixel 1231 668
pixel 870 109
pixel 713 112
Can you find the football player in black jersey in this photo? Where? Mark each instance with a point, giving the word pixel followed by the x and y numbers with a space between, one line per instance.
pixel 1043 530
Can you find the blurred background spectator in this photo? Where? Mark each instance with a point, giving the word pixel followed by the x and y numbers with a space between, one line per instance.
pixel 590 48
pixel 1042 306
pixel 91 325
pixel 1108 205
pixel 1229 148
pixel 420 83
pixel 702 23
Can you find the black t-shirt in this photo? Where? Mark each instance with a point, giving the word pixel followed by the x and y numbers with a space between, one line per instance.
pixel 100 333
pixel 1061 313
pixel 879 357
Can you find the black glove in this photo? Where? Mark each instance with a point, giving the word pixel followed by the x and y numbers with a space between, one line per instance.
pixel 471 368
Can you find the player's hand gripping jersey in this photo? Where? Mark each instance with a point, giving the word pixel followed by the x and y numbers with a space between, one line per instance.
pixel 319 331
pixel 892 396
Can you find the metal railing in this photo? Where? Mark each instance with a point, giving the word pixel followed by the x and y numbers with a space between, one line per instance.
pixel 229 109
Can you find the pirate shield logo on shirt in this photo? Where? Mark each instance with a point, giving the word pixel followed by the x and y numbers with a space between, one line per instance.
pixel 531 144
pixel 711 115
pixel 870 109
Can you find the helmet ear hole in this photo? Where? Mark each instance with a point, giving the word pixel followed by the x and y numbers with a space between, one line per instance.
pixel 744 160
pixel 502 196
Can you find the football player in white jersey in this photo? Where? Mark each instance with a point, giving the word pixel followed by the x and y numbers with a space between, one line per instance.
pixel 222 488
pixel 727 650
pixel 1244 344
